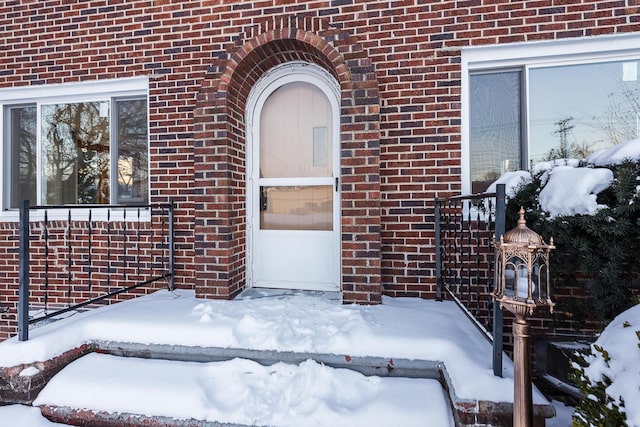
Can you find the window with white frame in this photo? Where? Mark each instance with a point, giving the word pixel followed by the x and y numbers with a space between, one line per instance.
pixel 526 103
pixel 76 144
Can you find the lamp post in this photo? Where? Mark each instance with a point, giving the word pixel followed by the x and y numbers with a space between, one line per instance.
pixel 522 285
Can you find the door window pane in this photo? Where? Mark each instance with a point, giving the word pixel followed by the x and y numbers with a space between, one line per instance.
pixel 320 147
pixel 20 156
pixel 495 127
pixel 296 208
pixel 295 130
pixel 76 159
pixel 132 157
pixel 578 109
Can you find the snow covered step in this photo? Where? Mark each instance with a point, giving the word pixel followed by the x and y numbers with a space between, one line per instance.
pixel 131 391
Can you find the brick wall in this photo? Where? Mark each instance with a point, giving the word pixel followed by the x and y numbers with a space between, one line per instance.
pixel 8 279
pixel 398 65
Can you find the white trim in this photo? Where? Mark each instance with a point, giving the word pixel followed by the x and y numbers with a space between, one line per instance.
pixel 528 55
pixel 273 79
pixel 274 182
pixel 85 91
pixel 97 214
pixel 552 52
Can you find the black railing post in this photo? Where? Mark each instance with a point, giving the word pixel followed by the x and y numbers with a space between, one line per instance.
pixel 171 247
pixel 501 208
pixel 438 253
pixel 23 296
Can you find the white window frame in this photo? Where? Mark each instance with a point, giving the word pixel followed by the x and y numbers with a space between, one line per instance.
pixel 99 90
pixel 526 56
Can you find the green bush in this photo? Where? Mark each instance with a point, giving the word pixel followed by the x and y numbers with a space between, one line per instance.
pixel 596 408
pixel 598 253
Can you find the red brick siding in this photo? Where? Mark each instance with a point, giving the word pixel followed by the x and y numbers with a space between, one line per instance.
pixel 8 279
pixel 398 64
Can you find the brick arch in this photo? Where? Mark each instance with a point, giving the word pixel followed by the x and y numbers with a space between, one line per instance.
pixel 220 149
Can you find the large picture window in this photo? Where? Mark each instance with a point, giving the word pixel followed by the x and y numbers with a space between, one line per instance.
pixel 547 101
pixel 76 151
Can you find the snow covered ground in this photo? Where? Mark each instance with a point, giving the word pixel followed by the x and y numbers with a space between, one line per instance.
pixel 563 415
pixel 399 328
pixel 23 416
pixel 244 392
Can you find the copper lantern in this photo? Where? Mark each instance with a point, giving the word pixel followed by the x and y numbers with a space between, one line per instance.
pixel 522 285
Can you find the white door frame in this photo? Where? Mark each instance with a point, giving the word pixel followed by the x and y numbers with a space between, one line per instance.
pixel 268 83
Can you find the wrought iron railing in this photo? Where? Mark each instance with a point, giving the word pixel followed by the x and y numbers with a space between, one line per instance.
pixel 465 227
pixel 73 257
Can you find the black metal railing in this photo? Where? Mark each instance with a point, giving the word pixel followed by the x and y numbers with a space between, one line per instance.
pixel 78 256
pixel 465 258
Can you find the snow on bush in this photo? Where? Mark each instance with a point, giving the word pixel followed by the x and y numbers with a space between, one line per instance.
pixel 615 155
pixel 547 166
pixel 568 187
pixel 593 214
pixel 512 182
pixel 573 191
pixel 610 375
pixel 605 246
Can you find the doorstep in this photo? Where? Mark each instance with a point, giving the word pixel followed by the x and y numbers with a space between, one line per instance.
pixel 401 336
pixel 105 389
pixel 26 381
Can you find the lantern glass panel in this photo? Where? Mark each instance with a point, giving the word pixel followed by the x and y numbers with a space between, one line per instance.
pixel 523 281
pixel 541 275
pixel 509 279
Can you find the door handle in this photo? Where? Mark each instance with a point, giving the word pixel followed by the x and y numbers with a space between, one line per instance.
pixel 337 183
pixel 263 199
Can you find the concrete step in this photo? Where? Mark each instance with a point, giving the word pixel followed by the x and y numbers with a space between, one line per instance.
pixel 109 390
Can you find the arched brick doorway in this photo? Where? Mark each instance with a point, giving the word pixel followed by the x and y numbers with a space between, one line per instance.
pixel 220 215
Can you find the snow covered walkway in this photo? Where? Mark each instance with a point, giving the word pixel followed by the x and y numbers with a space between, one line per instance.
pixel 244 392
pixel 400 328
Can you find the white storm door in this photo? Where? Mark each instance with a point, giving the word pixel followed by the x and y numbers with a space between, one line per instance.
pixel 295 212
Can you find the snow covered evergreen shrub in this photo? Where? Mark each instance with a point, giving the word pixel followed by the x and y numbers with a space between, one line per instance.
pixel 596 408
pixel 607 375
pixel 599 252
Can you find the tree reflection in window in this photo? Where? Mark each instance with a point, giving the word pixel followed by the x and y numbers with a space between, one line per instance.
pixel 132 157
pixel 20 155
pixel 75 144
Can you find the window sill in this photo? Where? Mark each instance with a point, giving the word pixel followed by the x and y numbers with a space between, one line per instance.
pixel 98 214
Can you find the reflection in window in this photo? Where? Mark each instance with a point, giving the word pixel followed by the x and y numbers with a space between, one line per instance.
pixel 495 142
pixel 296 208
pixel 132 163
pixel 75 145
pixel 20 164
pixel 76 160
pixel 577 109
pixel 570 110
